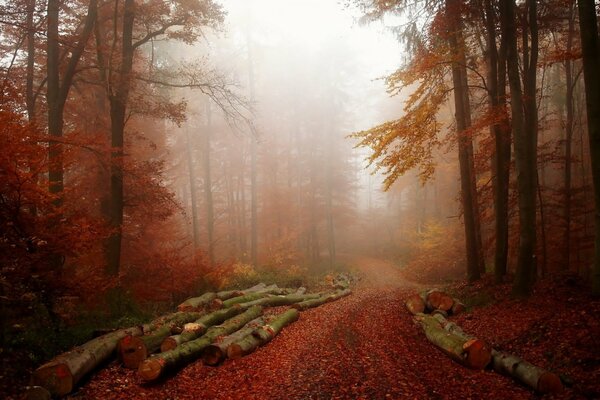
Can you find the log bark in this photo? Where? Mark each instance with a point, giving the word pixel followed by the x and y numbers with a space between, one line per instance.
pixel 244 298
pixel 275 301
pixel 152 368
pixel 135 349
pixel 262 335
pixel 60 375
pixel 197 303
pixel 198 327
pixel 325 298
pixel 473 353
pixel 530 375
pixel 217 352
pixel 228 294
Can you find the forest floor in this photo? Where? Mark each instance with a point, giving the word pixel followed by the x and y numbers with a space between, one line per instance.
pixel 366 346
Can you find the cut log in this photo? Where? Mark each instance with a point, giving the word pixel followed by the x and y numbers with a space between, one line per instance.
pixel 197 303
pixel 325 298
pixel 458 307
pixel 473 353
pixel 267 332
pixel 437 300
pixel 244 298
pixel 440 312
pixel 36 393
pixel 135 349
pixel 415 304
pixel 215 304
pixel 275 301
pixel 262 335
pixel 530 375
pixel 152 368
pixel 197 328
pixel 228 294
pixel 217 352
pixel 60 375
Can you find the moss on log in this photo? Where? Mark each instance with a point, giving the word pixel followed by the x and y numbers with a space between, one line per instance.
pixel 473 353
pixel 155 366
pixel 197 303
pixel 61 375
pixel 325 298
pixel 217 352
pixel 197 328
pixel 275 301
pixel 261 335
pixel 135 349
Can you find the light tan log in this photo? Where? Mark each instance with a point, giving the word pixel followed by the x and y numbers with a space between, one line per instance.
pixel 530 375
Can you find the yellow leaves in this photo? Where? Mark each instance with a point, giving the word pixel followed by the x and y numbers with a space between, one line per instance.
pixel 409 142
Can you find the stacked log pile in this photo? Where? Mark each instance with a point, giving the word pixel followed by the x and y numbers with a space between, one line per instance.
pixel 431 310
pixel 213 327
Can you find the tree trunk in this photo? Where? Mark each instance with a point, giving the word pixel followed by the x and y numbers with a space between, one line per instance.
pixel 501 134
pixel 61 375
pixel 193 199
pixel 590 46
pixel 472 353
pixel 198 327
pixel 326 298
pixel 197 303
pixel 152 368
pixel 210 212
pixel 262 335
pixel 465 146
pixel 118 117
pixel 534 377
pixel 133 349
pixel 217 352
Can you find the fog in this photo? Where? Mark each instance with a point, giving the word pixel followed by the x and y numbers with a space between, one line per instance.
pixel 309 74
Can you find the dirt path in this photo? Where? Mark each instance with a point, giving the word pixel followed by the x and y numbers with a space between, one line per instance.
pixel 364 346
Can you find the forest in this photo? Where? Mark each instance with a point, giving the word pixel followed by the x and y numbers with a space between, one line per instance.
pixel 299 199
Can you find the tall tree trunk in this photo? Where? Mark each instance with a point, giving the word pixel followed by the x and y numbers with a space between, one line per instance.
pixel 118 110
pixel 590 45
pixel 501 134
pixel 210 213
pixel 569 126
pixel 29 74
pixel 193 198
pixel 465 145
pixel 524 126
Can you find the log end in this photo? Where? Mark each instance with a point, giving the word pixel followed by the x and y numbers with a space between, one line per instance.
pixel 150 369
pixel 132 351
pixel 168 344
pixel 215 304
pixel 458 307
pixel 36 393
pixel 213 355
pixel 549 383
pixel 479 354
pixel 55 377
pixel 235 351
pixel 415 304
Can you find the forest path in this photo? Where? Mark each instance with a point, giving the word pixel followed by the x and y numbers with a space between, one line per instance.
pixel 364 346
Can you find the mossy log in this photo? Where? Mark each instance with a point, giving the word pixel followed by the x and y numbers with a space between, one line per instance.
pixel 325 298
pixel 61 375
pixel 217 352
pixel 244 298
pixel 530 375
pixel 228 294
pixel 197 328
pixel 197 303
pixel 261 335
pixel 135 349
pixel 473 353
pixel 155 366
pixel 275 301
